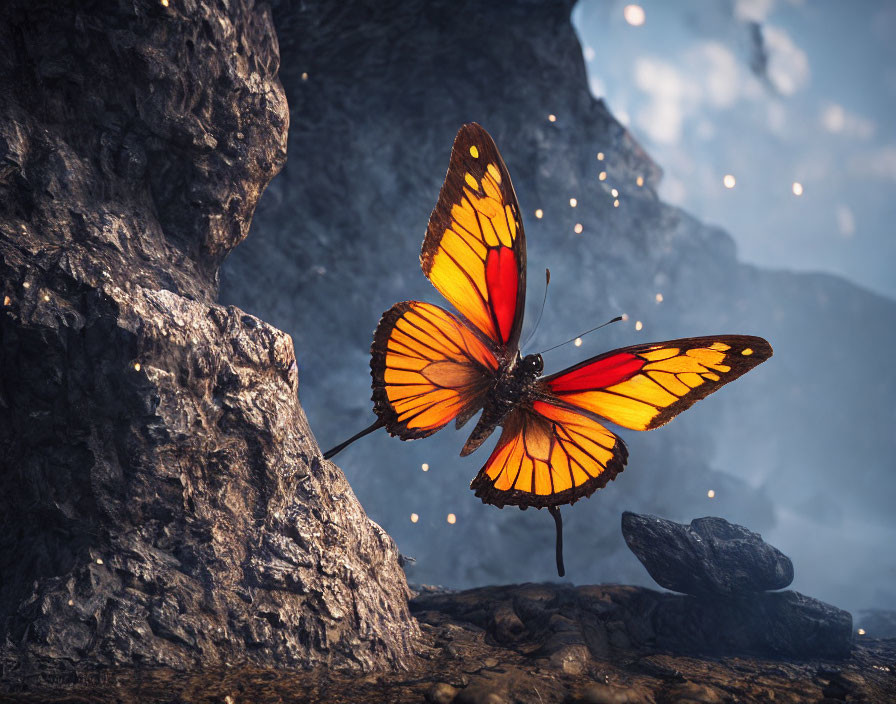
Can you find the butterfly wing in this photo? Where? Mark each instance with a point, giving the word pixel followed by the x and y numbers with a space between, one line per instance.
pixel 644 386
pixel 474 251
pixel 427 367
pixel 549 455
pixel 554 450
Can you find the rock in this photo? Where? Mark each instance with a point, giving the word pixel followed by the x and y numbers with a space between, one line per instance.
pixel 600 693
pixel 772 624
pixel 709 556
pixel 441 693
pixel 164 501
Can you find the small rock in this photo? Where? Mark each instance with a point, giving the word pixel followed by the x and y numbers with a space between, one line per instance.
pixel 441 693
pixel 709 556
pixel 693 693
pixel 600 693
pixel 478 693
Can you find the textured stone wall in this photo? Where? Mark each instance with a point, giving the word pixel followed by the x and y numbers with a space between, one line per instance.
pixel 163 500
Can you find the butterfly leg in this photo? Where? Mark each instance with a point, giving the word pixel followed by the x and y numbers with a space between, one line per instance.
pixel 558 523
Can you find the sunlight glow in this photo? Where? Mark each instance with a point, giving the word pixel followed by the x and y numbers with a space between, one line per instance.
pixel 634 15
pixel 797 188
pixel 729 181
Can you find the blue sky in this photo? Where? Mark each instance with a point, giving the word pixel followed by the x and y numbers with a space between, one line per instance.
pixel 821 114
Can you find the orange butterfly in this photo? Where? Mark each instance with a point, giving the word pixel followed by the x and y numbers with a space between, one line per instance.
pixel 430 367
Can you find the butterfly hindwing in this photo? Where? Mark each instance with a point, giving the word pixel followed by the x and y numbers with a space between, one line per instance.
pixel 474 251
pixel 548 455
pixel 644 386
pixel 428 367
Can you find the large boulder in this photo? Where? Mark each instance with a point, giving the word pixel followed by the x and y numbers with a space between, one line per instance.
pixel 709 556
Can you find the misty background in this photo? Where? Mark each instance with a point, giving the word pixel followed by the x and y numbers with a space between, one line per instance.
pixel 638 115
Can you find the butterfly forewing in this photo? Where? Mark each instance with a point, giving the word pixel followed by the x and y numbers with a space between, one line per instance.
pixel 474 252
pixel 645 386
pixel 427 367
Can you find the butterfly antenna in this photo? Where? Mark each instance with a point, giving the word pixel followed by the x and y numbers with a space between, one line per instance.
pixel 573 339
pixel 547 280
pixel 340 447
pixel 558 523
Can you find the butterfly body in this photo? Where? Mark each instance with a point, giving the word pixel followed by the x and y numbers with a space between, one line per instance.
pixel 515 385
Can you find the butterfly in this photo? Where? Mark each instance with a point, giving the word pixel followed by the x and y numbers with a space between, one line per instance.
pixel 431 366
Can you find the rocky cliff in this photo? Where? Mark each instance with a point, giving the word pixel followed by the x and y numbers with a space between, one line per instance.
pixel 163 500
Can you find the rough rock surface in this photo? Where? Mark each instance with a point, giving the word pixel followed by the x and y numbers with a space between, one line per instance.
pixel 709 556
pixel 163 502
pixel 527 644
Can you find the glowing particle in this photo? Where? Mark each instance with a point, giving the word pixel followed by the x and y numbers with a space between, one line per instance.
pixel 624 317
pixel 99 561
pixel 659 298
pixel 578 342
pixel 164 3
pixel 616 203
pixel 797 188
pixel 474 152
pixel 729 181
pixel 71 602
pixel 46 296
pixel 711 493
pixel 573 202
pixel 638 325
pixel 614 192
pixel 634 15
pixel 424 467
pixel 639 181
pixel 136 366
pixel 539 213
pixel 861 631
pixel 6 300
pixel 552 118
pixel 602 176
pixel 451 518
pixel 578 228
pixel 747 352
pixel 600 156
pixel 26 284
pixel 414 518
pixel 304 75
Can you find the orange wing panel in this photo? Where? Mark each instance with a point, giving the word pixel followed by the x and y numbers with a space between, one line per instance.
pixel 427 367
pixel 548 456
pixel 645 386
pixel 474 252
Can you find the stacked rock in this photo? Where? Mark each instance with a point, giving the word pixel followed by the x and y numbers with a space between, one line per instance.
pixel 728 572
